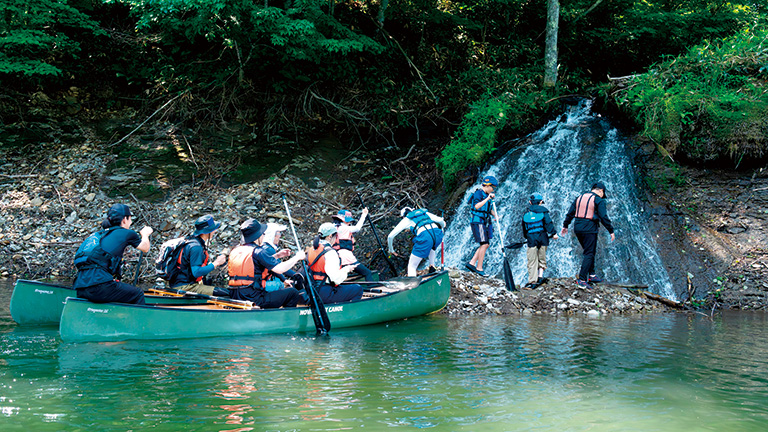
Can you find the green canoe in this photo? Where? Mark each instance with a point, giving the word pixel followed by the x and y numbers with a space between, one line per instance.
pixel 83 321
pixel 40 303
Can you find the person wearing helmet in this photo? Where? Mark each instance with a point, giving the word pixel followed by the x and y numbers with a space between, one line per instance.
pixel 537 229
pixel 99 259
pixel 326 269
pixel 588 211
pixel 427 229
pixel 481 211
pixel 345 242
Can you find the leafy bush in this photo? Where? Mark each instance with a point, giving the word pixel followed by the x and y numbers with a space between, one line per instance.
pixel 36 36
pixel 708 104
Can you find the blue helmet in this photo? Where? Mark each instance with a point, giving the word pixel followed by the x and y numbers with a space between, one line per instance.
pixel 537 198
pixel 490 181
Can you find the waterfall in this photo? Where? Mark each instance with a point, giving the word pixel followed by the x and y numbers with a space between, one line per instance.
pixel 565 158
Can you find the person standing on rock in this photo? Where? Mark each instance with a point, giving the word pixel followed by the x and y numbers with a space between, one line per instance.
pixel 326 268
pixel 428 236
pixel 99 259
pixel 481 210
pixel 537 229
pixel 193 262
pixel 346 241
pixel 252 269
pixel 589 211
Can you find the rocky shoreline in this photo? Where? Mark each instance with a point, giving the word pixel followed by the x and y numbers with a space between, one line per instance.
pixel 475 295
pixel 51 197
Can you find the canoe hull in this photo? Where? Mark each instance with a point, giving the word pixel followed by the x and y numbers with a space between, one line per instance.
pixel 40 303
pixel 83 321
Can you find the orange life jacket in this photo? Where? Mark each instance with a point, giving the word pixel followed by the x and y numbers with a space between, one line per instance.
pixel 316 259
pixel 242 271
pixel 585 206
pixel 240 266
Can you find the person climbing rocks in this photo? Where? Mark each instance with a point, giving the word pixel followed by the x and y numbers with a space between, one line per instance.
pixel 427 229
pixel 252 269
pixel 193 262
pixel 537 229
pixel 99 259
pixel 588 211
pixel 346 240
pixel 327 270
pixel 481 210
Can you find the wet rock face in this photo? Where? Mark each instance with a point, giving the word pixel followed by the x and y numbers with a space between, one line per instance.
pixel 475 295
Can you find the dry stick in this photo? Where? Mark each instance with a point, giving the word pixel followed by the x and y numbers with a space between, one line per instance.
pixel 191 155
pixel 63 212
pixel 145 121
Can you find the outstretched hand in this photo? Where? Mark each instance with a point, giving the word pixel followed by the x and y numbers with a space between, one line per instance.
pixel 564 231
pixel 146 231
pixel 613 237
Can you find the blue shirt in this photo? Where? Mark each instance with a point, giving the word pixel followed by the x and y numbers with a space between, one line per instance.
pixel 113 243
pixel 479 216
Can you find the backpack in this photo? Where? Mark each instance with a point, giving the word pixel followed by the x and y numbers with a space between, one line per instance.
pixel 165 264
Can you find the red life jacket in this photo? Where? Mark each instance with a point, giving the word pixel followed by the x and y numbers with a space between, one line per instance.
pixel 585 206
pixel 186 249
pixel 316 259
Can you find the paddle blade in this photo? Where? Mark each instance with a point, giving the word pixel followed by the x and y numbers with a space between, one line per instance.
pixel 508 279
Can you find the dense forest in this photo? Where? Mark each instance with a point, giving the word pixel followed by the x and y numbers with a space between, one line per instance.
pixel 691 74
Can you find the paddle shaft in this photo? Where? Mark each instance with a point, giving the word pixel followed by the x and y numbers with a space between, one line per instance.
pixel 378 240
pixel 319 314
pixel 138 269
pixel 442 246
pixel 498 225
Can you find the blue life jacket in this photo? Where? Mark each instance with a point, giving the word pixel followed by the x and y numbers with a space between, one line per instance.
pixel 534 222
pixel 420 218
pixel 91 255
pixel 482 215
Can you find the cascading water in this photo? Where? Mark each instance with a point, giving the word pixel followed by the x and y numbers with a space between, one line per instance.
pixel 565 158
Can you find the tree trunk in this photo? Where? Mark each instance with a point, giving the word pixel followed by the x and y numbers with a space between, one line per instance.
pixel 550 50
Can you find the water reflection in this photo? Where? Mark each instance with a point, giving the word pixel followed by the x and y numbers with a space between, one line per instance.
pixel 492 374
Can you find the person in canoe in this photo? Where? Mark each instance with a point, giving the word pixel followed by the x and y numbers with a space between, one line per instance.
pixel 427 229
pixel 193 262
pixel 272 244
pixel 326 270
pixel 252 270
pixel 537 229
pixel 99 259
pixel 346 241
pixel 481 210
pixel 588 211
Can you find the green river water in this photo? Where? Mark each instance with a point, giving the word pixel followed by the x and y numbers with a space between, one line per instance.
pixel 648 373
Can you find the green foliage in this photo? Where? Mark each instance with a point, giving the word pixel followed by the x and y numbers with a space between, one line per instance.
pixel 36 37
pixel 708 104
pixel 475 139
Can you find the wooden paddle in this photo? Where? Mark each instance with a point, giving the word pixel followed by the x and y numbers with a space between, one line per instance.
pixel 240 304
pixel 319 314
pixel 381 246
